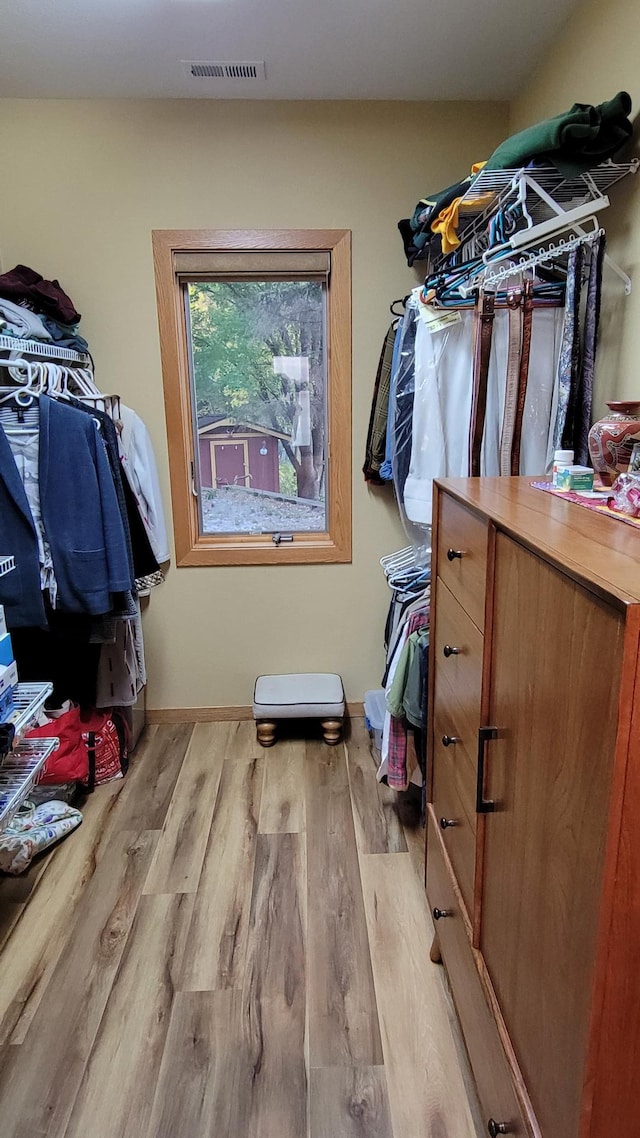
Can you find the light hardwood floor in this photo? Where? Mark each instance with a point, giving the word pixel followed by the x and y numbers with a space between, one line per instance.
pixel 234 944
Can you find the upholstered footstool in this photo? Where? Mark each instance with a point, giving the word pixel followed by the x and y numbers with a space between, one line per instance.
pixel 301 696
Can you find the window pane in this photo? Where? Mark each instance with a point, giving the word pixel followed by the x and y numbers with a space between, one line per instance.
pixel 259 397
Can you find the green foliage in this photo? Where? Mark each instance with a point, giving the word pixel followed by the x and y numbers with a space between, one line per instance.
pixel 288 482
pixel 236 330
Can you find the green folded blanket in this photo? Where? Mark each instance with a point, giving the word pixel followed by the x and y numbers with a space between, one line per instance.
pixel 573 142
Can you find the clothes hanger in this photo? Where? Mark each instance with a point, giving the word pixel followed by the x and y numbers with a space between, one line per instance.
pixel 402 301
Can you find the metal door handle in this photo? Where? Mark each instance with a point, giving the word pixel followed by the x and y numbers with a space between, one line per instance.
pixel 445 823
pixel 449 651
pixel 484 805
pixel 447 740
pixel 438 914
pixel 453 553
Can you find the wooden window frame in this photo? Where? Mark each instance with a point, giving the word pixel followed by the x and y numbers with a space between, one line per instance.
pixel 192 547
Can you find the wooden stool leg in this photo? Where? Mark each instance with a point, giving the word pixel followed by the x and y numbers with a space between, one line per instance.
pixel 266 732
pixel 434 954
pixel 332 729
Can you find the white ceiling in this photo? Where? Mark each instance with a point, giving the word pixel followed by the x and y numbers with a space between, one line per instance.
pixel 313 49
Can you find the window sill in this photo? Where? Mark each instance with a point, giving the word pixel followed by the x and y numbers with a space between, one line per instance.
pixel 303 550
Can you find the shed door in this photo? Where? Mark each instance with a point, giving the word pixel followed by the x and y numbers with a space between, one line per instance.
pixel 229 462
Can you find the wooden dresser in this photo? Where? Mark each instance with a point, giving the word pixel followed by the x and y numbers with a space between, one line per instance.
pixel 533 839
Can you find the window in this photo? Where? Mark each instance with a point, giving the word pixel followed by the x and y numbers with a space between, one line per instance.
pixel 255 334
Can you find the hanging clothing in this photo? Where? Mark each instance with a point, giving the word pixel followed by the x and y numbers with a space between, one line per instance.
pixel 404 391
pixel 386 469
pixel 139 464
pixel 24 449
pixel 377 432
pixel 80 515
pixel 586 379
pixel 121 668
pixel 441 410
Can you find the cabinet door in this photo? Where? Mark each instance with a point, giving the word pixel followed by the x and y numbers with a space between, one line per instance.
pixel 556 652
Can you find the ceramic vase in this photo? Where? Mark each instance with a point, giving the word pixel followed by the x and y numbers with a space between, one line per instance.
pixel 611 441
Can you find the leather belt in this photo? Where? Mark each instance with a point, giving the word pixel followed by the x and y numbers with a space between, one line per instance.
pixel 482 352
pixel 523 375
pixel 513 371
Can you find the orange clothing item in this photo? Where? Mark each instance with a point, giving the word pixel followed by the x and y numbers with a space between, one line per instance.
pixel 448 220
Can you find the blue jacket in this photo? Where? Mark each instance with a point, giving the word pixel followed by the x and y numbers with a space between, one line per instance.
pixel 80 515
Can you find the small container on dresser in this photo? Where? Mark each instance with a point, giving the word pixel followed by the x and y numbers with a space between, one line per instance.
pixel 533 863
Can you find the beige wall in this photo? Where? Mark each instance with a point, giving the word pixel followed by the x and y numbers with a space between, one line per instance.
pixel 86 184
pixel 596 57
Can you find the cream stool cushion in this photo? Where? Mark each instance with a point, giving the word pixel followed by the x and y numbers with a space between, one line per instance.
pixel 311 695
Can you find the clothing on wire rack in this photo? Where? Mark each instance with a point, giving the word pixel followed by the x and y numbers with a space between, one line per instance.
pixel 80 515
pixel 405 668
pixel 377 432
pixel 139 463
pixel 386 469
pixel 79 535
pixel 479 390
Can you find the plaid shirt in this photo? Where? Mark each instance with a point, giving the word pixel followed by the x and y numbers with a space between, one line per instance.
pixel 397 775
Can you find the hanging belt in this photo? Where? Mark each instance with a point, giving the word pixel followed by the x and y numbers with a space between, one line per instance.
pixel 482 352
pixel 523 376
pixel 514 300
pixel 584 394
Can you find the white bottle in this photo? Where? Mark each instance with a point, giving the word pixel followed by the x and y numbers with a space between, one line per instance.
pixel 561 458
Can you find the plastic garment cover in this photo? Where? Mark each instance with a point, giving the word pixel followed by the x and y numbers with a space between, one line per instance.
pixel 401 409
pixel 441 411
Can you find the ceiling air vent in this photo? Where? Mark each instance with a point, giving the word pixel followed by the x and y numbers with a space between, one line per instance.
pixel 228 70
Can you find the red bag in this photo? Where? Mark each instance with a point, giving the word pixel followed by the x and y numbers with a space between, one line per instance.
pixel 70 762
pixel 92 747
pixel 106 749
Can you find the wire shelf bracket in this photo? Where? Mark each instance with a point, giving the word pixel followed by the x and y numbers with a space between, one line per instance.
pixel 20 772
pixel 28 699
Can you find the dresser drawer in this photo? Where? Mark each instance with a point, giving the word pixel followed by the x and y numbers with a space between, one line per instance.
pixel 453 807
pixel 457 657
pixel 462 555
pixel 494 1083
pixel 455 744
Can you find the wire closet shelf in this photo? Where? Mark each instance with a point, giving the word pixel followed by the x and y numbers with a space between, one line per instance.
pixel 543 192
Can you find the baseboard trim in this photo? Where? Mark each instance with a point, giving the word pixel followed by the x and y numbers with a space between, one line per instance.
pixel 219 714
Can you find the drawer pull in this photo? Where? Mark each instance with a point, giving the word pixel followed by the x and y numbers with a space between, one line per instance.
pixel 484 805
pixel 453 553
pixel 438 914
pixel 445 823
pixel 449 651
pixel 447 740
pixel 496 1128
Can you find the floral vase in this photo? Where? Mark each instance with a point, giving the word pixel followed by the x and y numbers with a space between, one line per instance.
pixel 611 441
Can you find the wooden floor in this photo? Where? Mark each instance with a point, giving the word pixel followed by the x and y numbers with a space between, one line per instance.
pixel 234 943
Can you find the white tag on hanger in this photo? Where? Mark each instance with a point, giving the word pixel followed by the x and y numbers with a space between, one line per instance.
pixel 436 319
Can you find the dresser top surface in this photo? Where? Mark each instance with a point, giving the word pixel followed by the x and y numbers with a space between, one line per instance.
pixel 595 549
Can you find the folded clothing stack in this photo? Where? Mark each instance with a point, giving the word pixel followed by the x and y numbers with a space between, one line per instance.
pixel 574 142
pixel 32 308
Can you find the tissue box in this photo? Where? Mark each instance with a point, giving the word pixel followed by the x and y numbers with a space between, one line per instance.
pixel 8 681
pixel 6 650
